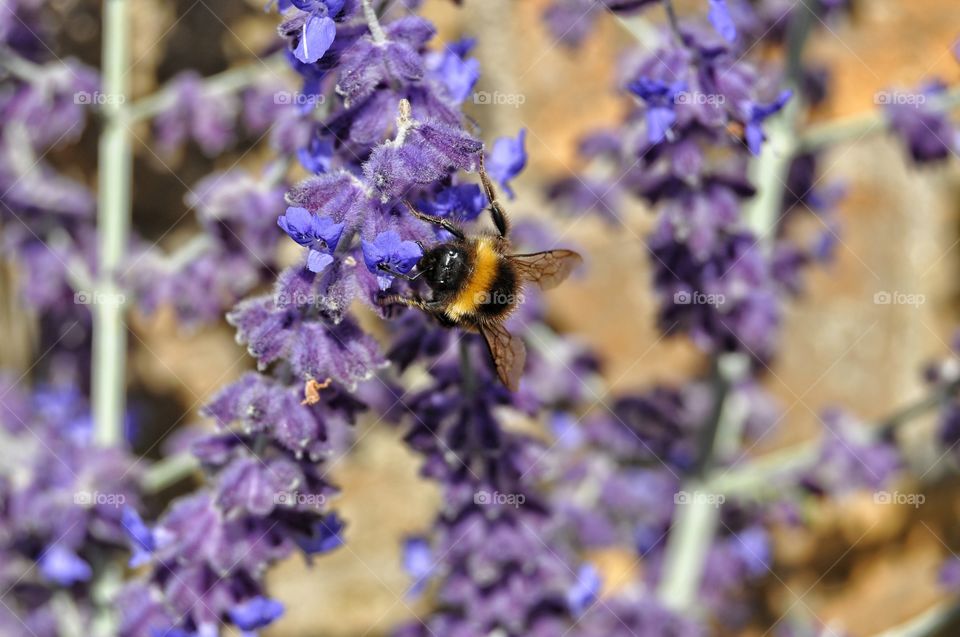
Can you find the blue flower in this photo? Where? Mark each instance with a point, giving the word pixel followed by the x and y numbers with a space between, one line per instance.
pixel 661 99
pixel 64 567
pixel 507 159
pixel 389 251
pixel 317 232
pixel 462 202
pixel 325 535
pixel 318 31
pixel 758 114
pixel 453 71
pixel 418 562
pixel 317 155
pixel 719 16
pixel 255 613
pixel 583 593
pixel 142 539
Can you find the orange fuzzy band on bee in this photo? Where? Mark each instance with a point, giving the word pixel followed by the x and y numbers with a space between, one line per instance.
pixel 482 275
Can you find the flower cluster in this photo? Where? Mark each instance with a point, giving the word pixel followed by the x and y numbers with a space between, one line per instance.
pixel 317 367
pixel 699 116
pixel 61 519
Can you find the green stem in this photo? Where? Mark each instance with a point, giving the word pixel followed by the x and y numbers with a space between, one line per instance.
pixel 228 81
pixel 855 127
pixel 696 517
pixel 168 472
pixel 113 220
pixel 758 476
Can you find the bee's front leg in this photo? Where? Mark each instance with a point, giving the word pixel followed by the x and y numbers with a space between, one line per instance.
pixel 430 307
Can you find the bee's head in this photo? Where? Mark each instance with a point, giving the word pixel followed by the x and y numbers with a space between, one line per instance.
pixel 444 267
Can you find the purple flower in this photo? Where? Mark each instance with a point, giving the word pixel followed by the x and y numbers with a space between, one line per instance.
pixel 585 591
pixel 422 153
pixel 317 35
pixel 256 613
pixel 62 566
pixel 661 99
pixel 418 562
pixel 317 31
pixel 389 252
pixel 461 202
pixel 318 232
pixel 507 158
pixel 451 70
pixel 758 114
pixel 196 114
pixel 719 16
pixel 142 539
pixel 929 134
pixel 397 61
pixel 317 156
pixel 325 535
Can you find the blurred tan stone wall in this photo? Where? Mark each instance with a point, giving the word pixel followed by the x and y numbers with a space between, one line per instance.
pixel 899 233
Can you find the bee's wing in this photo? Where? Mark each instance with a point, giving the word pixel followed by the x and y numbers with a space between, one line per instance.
pixel 546 269
pixel 509 354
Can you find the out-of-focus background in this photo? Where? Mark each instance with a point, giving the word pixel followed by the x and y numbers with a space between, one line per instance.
pixel 860 565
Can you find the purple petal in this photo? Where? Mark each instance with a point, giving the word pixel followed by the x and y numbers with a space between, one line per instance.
pixel 719 16
pixel 256 613
pixel 316 37
pixel 318 261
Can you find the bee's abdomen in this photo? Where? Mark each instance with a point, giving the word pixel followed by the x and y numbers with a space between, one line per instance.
pixel 501 295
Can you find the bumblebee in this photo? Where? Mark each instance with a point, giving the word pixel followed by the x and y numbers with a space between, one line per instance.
pixel 476 283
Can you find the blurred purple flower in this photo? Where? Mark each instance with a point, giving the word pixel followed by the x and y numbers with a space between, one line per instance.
pixel 719 15
pixel 256 613
pixel 62 566
pixel 758 114
pixel 418 562
pixel 507 159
